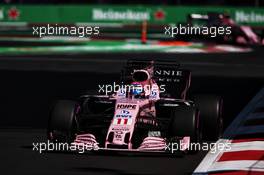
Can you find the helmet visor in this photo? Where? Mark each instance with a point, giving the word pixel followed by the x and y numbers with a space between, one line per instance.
pixel 140 76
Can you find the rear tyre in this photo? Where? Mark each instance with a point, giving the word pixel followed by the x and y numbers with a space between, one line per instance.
pixel 211 109
pixel 62 123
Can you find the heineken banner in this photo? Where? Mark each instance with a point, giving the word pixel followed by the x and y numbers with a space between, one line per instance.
pixel 113 14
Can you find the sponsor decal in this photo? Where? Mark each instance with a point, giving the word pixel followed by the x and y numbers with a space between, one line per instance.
pixel 251 17
pixel 1 14
pixel 124 118
pixel 119 132
pixel 117 15
pixel 13 13
pixel 126 106
pixel 121 93
pixel 153 94
pixel 120 129
pixel 118 136
pixel 124 114
pixel 168 72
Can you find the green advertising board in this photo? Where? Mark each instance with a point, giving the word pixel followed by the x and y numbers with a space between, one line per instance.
pixel 94 14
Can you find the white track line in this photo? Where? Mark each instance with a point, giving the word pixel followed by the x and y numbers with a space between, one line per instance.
pixel 246 165
pixel 246 146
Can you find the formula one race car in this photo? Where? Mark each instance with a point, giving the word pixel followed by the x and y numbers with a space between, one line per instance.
pixel 147 115
pixel 240 34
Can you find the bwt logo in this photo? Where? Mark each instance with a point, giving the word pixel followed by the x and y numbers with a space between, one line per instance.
pixel 126 106
pixel 124 114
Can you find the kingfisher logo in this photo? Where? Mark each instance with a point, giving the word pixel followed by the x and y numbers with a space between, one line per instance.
pixel 126 106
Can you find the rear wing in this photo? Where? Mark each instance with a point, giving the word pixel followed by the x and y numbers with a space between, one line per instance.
pixel 165 73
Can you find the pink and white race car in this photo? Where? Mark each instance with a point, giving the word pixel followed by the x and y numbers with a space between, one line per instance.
pixel 146 115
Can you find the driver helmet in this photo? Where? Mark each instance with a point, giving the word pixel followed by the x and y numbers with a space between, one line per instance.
pixel 140 75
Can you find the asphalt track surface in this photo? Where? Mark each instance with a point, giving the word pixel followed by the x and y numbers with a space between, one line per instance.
pixel 18 157
pixel 29 85
pixel 237 65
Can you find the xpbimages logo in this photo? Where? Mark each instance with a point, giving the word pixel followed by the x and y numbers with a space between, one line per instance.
pixel 173 147
pixel 55 30
pixel 109 89
pixel 42 147
pixel 196 30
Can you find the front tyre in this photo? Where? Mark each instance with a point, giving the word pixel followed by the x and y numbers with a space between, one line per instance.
pixel 185 123
pixel 62 123
pixel 211 110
